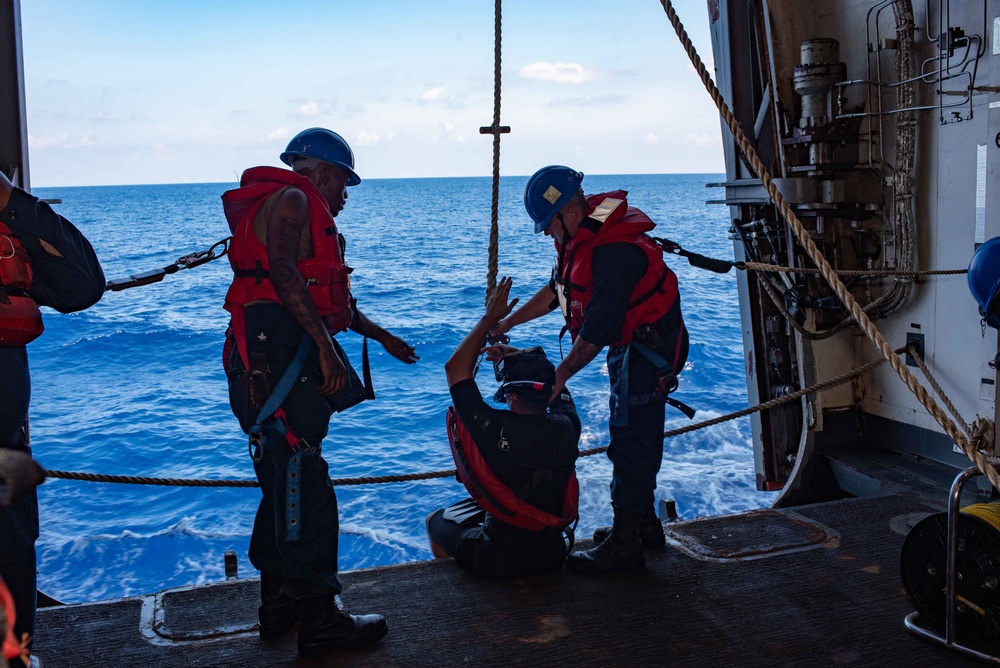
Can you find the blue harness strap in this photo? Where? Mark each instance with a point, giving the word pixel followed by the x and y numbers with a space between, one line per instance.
pixel 668 381
pixel 268 430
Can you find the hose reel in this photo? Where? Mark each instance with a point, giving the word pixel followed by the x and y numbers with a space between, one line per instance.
pixel 923 568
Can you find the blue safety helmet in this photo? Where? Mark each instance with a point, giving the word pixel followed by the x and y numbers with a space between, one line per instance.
pixel 984 280
pixel 547 192
pixel 324 145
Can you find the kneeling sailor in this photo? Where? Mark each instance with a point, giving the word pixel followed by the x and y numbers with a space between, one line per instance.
pixel 519 465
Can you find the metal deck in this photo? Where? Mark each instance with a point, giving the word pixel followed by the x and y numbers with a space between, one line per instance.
pixel 816 584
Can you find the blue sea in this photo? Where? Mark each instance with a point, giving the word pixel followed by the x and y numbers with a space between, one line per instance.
pixel 134 385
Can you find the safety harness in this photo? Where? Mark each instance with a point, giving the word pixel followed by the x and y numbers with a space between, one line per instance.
pixel 497 498
pixel 272 427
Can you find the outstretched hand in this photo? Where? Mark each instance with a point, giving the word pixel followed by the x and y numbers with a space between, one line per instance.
pixel 497 307
pixel 399 349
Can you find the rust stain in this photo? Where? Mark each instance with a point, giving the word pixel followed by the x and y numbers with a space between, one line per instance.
pixel 553 627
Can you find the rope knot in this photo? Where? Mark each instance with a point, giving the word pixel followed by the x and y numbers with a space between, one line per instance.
pixel 982 435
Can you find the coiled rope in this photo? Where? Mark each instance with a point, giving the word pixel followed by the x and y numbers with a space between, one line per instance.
pixel 979 459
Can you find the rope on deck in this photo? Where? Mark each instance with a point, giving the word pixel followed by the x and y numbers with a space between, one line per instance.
pixel 864 322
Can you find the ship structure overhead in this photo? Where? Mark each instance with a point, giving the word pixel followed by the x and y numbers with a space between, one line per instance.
pixel 880 125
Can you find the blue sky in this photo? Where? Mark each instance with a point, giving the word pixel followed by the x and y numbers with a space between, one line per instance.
pixel 137 91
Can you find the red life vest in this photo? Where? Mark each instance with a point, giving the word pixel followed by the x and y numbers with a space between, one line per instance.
pixel 20 319
pixel 326 273
pixel 495 497
pixel 652 296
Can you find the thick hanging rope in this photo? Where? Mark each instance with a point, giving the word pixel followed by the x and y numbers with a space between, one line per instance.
pixel 980 460
pixel 496 130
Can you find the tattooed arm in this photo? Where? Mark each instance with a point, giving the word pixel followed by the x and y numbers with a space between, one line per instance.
pixel 580 355
pixel 284 229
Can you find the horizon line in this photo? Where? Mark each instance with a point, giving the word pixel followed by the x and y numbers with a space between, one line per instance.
pixel 364 180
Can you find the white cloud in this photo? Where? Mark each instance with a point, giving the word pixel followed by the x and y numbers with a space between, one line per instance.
pixel 365 138
pixel 652 138
pixel 310 108
pixel 59 141
pixel 438 95
pixel 280 133
pixel 435 94
pixel 47 142
pixel 571 73
pixel 84 142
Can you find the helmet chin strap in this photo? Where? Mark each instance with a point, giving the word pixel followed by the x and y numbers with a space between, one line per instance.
pixel 562 222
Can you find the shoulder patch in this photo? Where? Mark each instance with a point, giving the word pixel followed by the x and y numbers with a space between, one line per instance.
pixel 606 208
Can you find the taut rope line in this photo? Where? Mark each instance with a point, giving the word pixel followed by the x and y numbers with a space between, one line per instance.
pixel 187 482
pixel 761 266
pixel 980 460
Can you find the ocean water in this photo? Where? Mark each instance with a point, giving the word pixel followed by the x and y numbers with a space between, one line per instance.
pixel 134 385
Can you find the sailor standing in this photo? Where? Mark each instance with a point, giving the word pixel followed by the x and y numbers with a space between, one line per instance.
pixel 290 295
pixel 615 291
pixel 44 260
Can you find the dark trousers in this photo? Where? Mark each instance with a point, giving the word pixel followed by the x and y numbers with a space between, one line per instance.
pixel 307 564
pixel 498 550
pixel 636 448
pixel 18 521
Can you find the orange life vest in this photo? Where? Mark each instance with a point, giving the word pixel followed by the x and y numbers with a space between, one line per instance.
pixel 326 273
pixel 494 496
pixel 653 295
pixel 20 318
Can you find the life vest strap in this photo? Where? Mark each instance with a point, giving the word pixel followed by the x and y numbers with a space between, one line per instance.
pixel 657 288
pixel 258 273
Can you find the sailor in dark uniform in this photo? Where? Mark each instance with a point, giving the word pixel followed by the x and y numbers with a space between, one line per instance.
pixel 528 451
pixel 67 277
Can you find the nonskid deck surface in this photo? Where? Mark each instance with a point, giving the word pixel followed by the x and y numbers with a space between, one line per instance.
pixel 818 584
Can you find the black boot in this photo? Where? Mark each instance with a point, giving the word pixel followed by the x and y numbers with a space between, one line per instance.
pixel 277 613
pixel 650 532
pixel 325 627
pixel 622 551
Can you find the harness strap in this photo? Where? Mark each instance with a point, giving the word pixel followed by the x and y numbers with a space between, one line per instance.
pixel 668 381
pixel 293 497
pixel 658 287
pixel 366 371
pixel 259 441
